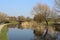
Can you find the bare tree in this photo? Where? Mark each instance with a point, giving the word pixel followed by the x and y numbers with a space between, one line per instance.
pixel 28 19
pixel 12 18
pixel 3 17
pixel 57 5
pixel 21 19
pixel 56 10
pixel 43 10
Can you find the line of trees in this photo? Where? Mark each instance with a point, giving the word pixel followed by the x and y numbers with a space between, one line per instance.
pixel 41 13
pixel 3 17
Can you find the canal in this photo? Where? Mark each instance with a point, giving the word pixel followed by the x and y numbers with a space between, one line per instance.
pixel 16 32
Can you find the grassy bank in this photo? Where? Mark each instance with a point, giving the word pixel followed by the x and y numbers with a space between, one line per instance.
pixel 13 23
pixel 3 33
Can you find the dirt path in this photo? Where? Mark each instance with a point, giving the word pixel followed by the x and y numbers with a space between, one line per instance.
pixel 1 26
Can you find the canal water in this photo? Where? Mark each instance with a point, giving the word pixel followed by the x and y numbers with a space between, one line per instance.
pixel 16 32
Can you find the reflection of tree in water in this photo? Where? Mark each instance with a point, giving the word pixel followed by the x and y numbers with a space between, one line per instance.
pixel 47 37
pixel 12 25
pixel 37 36
pixel 20 27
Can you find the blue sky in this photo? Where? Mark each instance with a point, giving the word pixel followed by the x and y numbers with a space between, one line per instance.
pixel 21 7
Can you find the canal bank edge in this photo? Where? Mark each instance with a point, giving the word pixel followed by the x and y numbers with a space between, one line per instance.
pixel 3 33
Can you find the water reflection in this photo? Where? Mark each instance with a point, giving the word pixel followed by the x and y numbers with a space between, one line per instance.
pixel 20 27
pixel 12 25
pixel 55 36
pixel 15 32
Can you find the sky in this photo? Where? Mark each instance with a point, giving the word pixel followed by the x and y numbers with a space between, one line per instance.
pixel 21 7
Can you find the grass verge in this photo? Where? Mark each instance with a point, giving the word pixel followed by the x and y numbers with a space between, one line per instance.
pixel 3 33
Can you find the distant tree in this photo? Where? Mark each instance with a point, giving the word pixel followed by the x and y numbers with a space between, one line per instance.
pixel 21 18
pixel 12 18
pixel 28 19
pixel 3 17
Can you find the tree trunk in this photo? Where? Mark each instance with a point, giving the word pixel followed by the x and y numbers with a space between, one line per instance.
pixel 46 28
